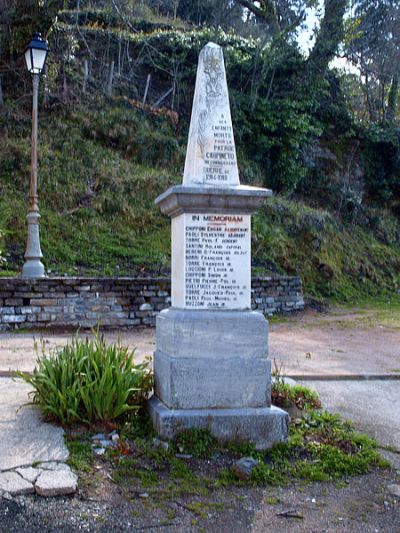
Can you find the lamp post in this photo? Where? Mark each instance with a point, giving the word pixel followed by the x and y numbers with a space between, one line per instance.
pixel 35 57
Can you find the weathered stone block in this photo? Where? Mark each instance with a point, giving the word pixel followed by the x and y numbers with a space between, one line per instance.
pixel 13 301
pixel 197 383
pixel 7 310
pixel 212 334
pixel 263 426
pixel 13 319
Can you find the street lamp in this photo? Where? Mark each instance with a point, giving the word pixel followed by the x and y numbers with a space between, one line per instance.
pixel 35 57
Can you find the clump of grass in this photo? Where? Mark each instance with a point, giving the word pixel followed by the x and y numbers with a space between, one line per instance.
pixel 88 381
pixel 286 396
pixel 80 454
pixel 321 447
pixel 196 442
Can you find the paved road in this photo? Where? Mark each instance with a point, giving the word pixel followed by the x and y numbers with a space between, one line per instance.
pixel 372 406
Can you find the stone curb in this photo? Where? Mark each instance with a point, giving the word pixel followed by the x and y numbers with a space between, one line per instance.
pixel 344 377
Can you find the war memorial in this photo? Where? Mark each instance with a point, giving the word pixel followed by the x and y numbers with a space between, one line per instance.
pixel 211 361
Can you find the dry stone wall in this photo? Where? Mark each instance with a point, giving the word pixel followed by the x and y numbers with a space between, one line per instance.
pixel 116 302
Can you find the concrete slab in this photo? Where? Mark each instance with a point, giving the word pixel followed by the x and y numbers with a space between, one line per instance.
pixel 372 406
pixel 25 437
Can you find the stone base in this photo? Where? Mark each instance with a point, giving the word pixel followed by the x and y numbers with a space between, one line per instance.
pixel 212 359
pixel 204 383
pixel 263 426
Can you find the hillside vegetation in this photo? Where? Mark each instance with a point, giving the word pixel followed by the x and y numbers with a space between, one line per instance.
pixel 104 157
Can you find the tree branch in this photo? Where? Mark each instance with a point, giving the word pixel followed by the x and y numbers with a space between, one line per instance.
pixel 266 12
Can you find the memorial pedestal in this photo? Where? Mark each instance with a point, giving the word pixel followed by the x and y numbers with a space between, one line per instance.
pixel 210 365
pixel 211 361
pixel 264 426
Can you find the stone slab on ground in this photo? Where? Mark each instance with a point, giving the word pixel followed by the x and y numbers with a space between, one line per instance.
pixel 29 473
pixel 56 483
pixel 263 426
pixel 15 484
pixel 25 437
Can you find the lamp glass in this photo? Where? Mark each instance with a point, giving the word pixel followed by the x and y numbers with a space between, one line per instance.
pixel 35 55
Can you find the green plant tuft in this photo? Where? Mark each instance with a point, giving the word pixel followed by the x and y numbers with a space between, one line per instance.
pixel 286 396
pixel 197 442
pixel 88 381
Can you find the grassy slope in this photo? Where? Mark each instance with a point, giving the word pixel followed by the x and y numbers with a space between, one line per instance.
pixel 102 165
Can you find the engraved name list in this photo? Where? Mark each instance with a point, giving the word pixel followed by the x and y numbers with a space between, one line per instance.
pixel 217 261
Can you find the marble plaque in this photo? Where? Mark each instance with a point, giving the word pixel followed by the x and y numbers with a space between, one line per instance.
pixel 211 153
pixel 211 261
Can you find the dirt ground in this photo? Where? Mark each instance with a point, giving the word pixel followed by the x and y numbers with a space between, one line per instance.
pixel 340 342
pixel 357 505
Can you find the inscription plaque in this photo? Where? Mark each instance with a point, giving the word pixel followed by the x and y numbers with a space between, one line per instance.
pixel 212 268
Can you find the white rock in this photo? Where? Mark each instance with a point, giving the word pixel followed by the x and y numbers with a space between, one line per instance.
pixel 99 451
pixel 56 483
pixel 14 484
pixel 394 490
pixel 146 307
pixel 5 495
pixel 99 436
pixel 53 465
pixel 29 473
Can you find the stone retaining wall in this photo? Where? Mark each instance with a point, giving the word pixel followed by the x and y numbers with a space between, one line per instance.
pixel 116 302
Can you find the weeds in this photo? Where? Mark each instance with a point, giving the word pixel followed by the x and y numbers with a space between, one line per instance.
pixel 283 395
pixel 197 442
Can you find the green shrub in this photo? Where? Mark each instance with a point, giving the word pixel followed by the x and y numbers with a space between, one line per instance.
pixel 88 381
pixel 382 163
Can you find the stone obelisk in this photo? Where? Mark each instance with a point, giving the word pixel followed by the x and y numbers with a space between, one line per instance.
pixel 211 361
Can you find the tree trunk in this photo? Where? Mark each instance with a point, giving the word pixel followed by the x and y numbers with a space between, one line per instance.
pixel 85 75
pixel 393 98
pixel 110 80
pixel 328 38
pixel 146 89
pixel 176 5
pixel 78 7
